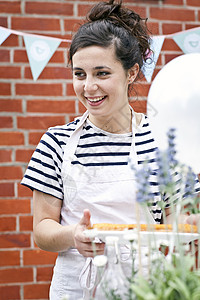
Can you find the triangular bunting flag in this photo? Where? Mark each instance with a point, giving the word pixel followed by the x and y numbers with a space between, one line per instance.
pixel 4 34
pixel 39 51
pixel 150 64
pixel 188 41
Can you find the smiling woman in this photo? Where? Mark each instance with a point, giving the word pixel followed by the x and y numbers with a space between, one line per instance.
pixel 80 172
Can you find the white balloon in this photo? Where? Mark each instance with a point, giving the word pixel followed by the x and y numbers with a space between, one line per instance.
pixel 174 102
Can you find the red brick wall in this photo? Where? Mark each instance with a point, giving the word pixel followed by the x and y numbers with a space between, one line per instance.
pixel 28 108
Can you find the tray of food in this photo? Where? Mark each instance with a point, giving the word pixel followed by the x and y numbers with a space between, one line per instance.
pixel 146 233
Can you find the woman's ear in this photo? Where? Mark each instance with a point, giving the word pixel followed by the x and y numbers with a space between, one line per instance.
pixel 132 73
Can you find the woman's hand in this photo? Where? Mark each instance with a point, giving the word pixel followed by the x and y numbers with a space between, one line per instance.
pixel 82 243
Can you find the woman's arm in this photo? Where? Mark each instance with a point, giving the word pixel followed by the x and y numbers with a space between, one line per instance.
pixel 50 235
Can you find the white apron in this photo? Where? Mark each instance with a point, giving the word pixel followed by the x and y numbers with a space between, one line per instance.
pixel 110 195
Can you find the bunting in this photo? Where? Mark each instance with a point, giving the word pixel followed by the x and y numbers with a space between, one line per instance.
pixel 4 34
pixel 39 52
pixel 41 48
pixel 150 64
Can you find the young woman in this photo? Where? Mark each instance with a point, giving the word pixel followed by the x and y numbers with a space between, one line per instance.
pixel 79 172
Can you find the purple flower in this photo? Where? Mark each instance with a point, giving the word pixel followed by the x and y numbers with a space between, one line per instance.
pixel 190 183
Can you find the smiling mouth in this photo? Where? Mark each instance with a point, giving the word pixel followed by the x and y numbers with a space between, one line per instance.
pixel 96 99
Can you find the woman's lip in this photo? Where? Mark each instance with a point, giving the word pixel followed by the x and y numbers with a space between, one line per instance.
pixel 95 103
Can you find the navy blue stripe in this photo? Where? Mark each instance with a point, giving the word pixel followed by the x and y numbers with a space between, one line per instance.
pixel 100 164
pixel 88 135
pixel 104 144
pixel 149 161
pixel 43 163
pixel 44 174
pixel 102 154
pixel 146 151
pixel 142 133
pixel 50 147
pixel 61 134
pixel 43 183
pixel 144 142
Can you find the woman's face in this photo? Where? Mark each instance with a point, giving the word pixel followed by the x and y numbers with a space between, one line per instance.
pixel 100 81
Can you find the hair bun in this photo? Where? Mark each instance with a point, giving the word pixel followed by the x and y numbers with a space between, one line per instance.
pixel 104 10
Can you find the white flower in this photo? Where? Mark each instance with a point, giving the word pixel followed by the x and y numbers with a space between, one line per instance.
pixel 100 260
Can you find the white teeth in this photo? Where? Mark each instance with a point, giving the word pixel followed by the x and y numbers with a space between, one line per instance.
pixel 95 99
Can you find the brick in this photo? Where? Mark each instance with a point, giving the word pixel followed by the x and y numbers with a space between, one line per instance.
pixel 72 25
pixel 6 122
pixel 70 89
pixel 20 56
pixel 51 73
pixel 153 27
pixel 170 28
pixel 10 172
pixel 141 10
pixel 38 257
pixel 15 206
pixel 7 224
pixel 44 273
pixel 23 155
pixel 7 189
pixel 169 57
pixel 170 45
pixel 24 191
pixel 173 2
pixel 35 122
pixel 193 3
pixel 81 107
pixel 9 105
pixel 9 292
pixel 10 258
pixel 4 55
pixel 191 26
pixel 172 14
pixel 83 9
pixel 16 275
pixel 45 106
pixel 10 72
pixel 5 88
pixel 11 41
pixel 140 90
pixel 5 155
pixel 39 89
pixel 20 240
pixel 34 137
pixel 27 23
pixel 139 106
pixel 3 22
pixel 11 7
pixel 26 223
pixel 11 138
pixel 36 291
pixel 53 8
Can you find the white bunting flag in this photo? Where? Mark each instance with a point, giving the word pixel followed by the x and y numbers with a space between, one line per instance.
pixel 188 41
pixel 39 51
pixel 150 64
pixel 4 34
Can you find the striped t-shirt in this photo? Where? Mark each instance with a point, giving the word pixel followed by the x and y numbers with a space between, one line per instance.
pixel 96 147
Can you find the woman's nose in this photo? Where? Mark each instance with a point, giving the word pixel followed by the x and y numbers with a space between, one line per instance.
pixel 90 85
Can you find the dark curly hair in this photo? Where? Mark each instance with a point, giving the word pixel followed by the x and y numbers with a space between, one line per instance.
pixel 110 23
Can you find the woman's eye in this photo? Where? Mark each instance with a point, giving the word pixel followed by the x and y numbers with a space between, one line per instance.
pixel 103 73
pixel 79 74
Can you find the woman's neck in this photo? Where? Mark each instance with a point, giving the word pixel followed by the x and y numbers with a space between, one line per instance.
pixel 119 123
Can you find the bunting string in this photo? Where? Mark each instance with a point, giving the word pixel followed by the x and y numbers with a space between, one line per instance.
pixel 41 48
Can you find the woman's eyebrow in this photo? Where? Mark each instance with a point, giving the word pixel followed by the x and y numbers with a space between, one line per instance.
pixel 101 67
pixel 95 68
